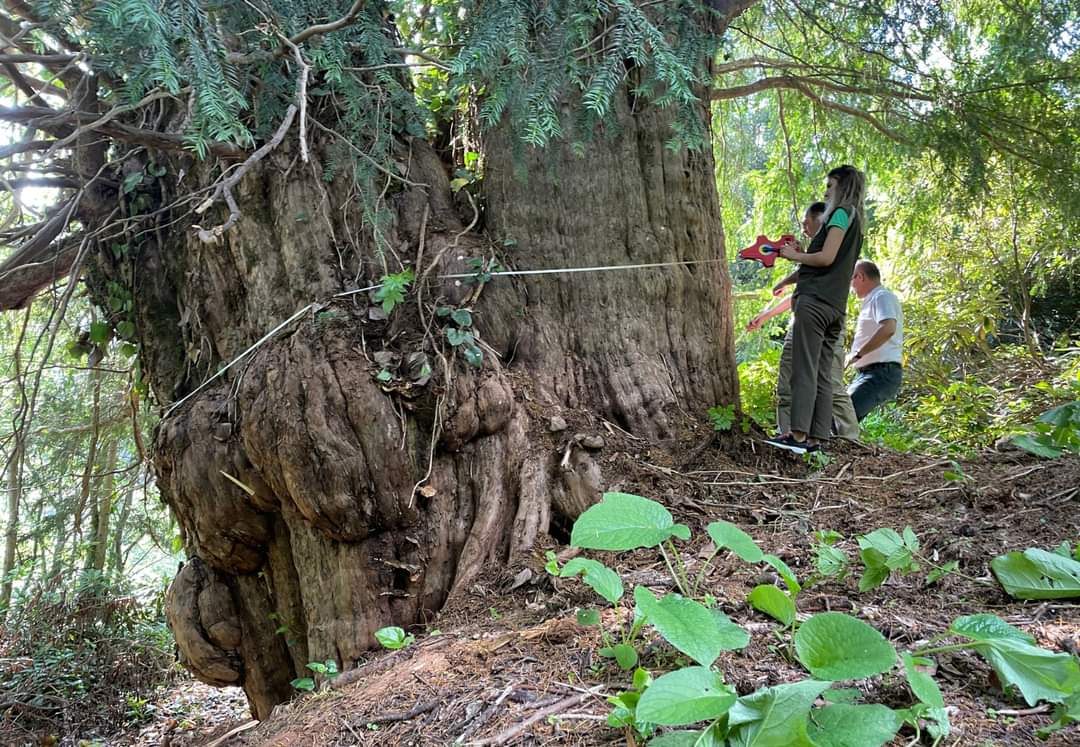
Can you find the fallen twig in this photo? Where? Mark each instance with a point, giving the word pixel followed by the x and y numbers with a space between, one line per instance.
pixel 505 736
pixel 418 709
pixel 1044 708
pixel 233 732
pixel 1026 472
pixel 485 715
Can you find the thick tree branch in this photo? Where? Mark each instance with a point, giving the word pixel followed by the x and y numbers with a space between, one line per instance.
pixel 803 86
pixel 62 123
pixel 41 182
pixel 30 85
pixel 326 28
pixel 62 66
pixel 24 11
pixel 39 261
pixel 225 187
pixel 41 59
pixel 300 38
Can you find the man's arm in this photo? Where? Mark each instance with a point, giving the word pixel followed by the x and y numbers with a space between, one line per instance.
pixel 881 335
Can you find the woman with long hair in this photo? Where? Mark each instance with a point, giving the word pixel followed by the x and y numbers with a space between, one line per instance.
pixel 819 305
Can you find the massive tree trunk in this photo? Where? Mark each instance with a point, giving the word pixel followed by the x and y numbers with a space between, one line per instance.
pixel 329 485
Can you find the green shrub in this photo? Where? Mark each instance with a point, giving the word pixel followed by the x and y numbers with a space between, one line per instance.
pixel 757 386
pixel 84 659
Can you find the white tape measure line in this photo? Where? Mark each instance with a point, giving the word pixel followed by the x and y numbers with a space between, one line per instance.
pixel 498 273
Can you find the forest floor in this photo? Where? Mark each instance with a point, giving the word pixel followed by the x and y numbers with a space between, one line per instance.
pixel 507 662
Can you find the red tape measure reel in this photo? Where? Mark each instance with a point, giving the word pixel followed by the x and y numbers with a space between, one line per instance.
pixel 765 250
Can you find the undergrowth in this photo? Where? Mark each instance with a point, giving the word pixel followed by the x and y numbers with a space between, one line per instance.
pixel 81 660
pixel 957 416
pixel 691 705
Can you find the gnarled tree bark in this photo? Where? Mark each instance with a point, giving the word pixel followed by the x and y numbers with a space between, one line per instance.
pixel 320 501
pixel 332 543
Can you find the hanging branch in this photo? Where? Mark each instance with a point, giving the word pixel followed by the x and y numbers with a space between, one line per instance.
pixel 804 86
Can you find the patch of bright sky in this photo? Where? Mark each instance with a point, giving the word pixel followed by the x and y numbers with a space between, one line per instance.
pixel 1067 42
pixel 33 199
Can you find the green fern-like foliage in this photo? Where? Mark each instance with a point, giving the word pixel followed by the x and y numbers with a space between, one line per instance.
pixel 530 61
pixel 534 61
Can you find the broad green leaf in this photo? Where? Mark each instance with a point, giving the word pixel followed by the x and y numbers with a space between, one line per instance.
pixel 774 716
pixel 732 635
pixel 911 542
pixel 836 646
pixel 474 356
pixel 896 550
pixel 854 725
pixel 131 181
pixel 688 626
pixel 125 329
pixel 642 678
pixel 461 317
pixel 714 736
pixel 622 521
pixel 393 638
pixel 922 684
pixel 874 575
pixel 623 713
pixel 625 655
pixel 552 563
pixel 830 561
pixel 677 739
pixel 100 332
pixel 939 726
pixel 988 628
pixel 1039 445
pixel 842 694
pixel 939 573
pixel 1037 574
pixel 303 683
pixel 458 337
pixel 588 617
pixel 724 534
pixel 1064 714
pixel 602 579
pixel 1037 673
pixel 786 573
pixel 773 602
pixel 686 696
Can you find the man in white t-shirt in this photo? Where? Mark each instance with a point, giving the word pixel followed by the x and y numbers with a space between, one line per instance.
pixel 877 350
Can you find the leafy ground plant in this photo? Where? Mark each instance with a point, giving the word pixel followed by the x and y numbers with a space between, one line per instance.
pixel 393 638
pixel 832 646
pixel 1054 433
pixel 1038 574
pixel 327 669
pixel 884 552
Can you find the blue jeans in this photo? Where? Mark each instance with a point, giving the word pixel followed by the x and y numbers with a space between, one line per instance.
pixel 875 384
